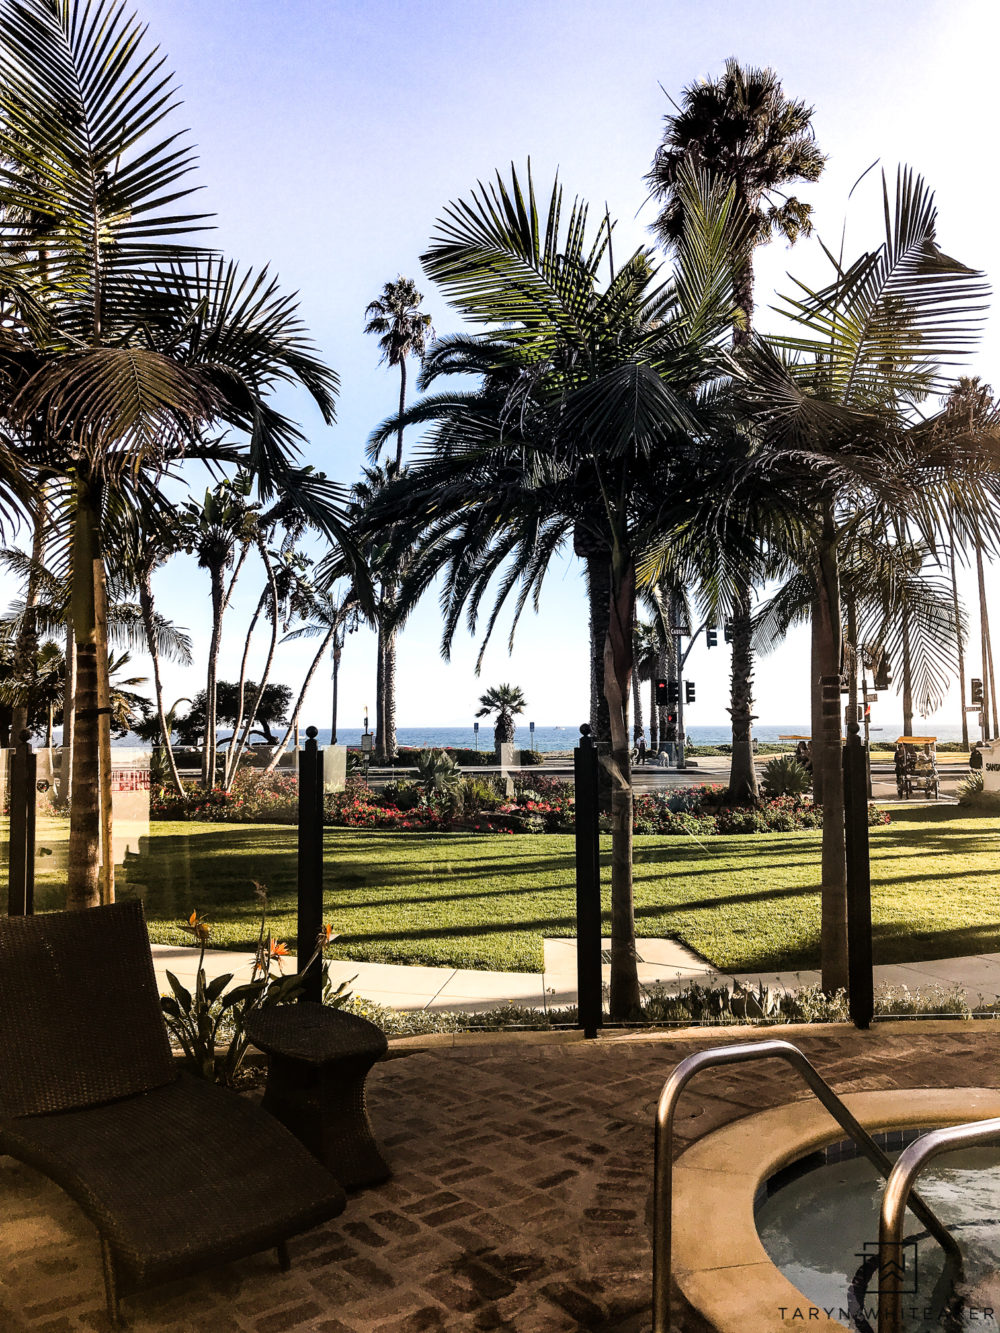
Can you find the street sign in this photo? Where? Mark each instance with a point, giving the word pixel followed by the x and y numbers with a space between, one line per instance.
pixel 683 633
pixel 972 708
pixel 871 698
pixel 366 743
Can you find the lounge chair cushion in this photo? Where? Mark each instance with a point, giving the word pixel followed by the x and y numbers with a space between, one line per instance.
pixel 180 1177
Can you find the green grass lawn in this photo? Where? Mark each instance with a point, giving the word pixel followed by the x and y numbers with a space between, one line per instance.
pixel 746 903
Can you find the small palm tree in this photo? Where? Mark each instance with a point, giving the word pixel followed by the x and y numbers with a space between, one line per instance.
pixel 403 330
pixel 506 701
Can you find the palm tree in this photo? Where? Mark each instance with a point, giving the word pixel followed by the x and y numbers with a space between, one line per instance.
pixel 213 530
pixel 327 616
pixel 648 646
pixel 127 343
pixel 838 435
pixel 743 130
pixel 403 329
pixel 581 420
pixel 389 558
pixel 970 410
pixel 506 701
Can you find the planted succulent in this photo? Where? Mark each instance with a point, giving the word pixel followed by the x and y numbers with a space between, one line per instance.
pixel 785 776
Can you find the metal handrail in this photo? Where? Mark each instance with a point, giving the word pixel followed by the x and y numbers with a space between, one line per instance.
pixel 663 1159
pixel 909 1164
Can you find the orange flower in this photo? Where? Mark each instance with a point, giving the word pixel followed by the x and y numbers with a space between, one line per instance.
pixel 198 928
pixel 278 949
pixel 326 935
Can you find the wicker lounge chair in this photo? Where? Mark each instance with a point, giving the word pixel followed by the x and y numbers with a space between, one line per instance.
pixel 175 1173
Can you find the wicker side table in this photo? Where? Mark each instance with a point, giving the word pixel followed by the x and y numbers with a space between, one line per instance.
pixel 318 1060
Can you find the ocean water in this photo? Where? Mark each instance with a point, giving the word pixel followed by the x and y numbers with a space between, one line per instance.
pixel 565 738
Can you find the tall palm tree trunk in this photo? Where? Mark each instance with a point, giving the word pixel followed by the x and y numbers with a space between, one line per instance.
pixel 828 760
pixel 338 646
pixel 147 609
pixel 743 772
pixel 293 721
pixel 389 694
pixel 637 727
pixel 107 873
pixel 654 716
pixel 402 408
pixel 238 745
pixel 618 663
pixel 83 879
pixel 907 675
pixel 984 629
pixel 378 749
pixel 69 715
pixel 211 684
pixel 26 647
pixel 816 652
pixel 959 636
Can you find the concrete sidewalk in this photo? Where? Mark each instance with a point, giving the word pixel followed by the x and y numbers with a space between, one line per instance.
pixel 665 963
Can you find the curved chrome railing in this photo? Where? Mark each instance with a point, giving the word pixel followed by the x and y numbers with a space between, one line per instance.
pixel 899 1190
pixel 663 1160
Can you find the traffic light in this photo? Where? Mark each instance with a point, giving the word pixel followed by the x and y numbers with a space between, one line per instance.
pixel 727 631
pixel 661 692
pixel 673 691
pixel 671 719
pixel 977 691
pixel 689 691
pixel 711 636
pixel 855 714
pixel 882 678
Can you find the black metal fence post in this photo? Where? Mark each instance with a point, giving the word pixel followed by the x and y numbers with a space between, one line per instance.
pixel 588 885
pixel 310 866
pixel 21 826
pixel 861 992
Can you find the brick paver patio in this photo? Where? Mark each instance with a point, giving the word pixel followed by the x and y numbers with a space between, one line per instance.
pixel 520 1200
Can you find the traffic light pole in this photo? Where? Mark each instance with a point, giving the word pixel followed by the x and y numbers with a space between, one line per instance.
pixel 681 738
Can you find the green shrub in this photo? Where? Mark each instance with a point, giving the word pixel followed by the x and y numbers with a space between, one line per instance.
pixel 401 793
pixel 531 758
pixel 480 794
pixel 438 774
pixel 972 794
pixel 785 776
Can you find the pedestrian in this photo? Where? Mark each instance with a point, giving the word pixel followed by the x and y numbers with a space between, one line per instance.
pixel 899 763
pixel 642 749
pixel 976 759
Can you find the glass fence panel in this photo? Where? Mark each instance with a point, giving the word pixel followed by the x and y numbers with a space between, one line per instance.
pixel 334 768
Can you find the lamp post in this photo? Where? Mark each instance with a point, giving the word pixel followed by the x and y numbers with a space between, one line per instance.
pixel 475 728
pixel 531 728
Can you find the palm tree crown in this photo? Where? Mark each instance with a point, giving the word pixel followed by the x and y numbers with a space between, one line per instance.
pixel 403 329
pixel 506 701
pixel 742 128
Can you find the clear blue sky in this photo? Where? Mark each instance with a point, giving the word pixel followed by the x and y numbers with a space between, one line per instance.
pixel 331 134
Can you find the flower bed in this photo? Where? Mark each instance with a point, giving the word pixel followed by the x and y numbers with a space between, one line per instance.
pixel 255 798
pixel 539 805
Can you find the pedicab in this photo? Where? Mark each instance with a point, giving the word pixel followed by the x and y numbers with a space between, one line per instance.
pixel 920 774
